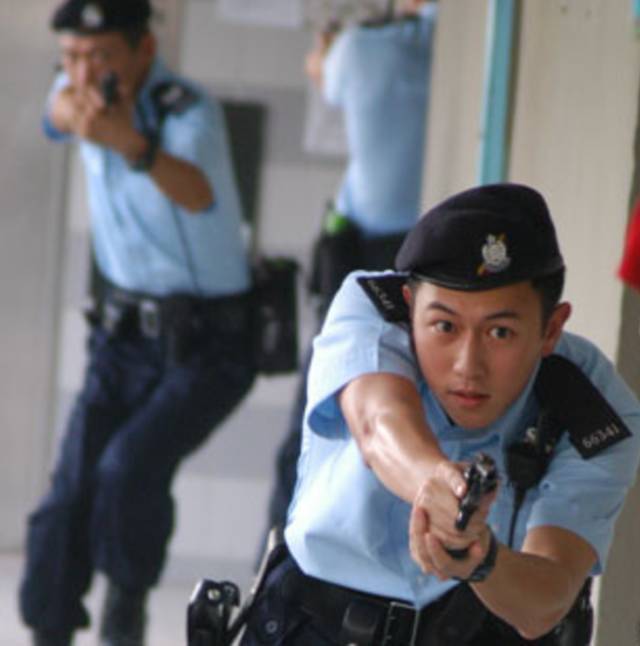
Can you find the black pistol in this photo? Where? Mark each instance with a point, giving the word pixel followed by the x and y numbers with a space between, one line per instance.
pixel 482 477
pixel 109 88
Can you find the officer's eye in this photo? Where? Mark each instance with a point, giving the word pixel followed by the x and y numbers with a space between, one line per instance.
pixel 501 332
pixel 443 326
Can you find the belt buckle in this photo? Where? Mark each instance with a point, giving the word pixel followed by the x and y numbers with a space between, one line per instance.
pixel 395 613
pixel 150 320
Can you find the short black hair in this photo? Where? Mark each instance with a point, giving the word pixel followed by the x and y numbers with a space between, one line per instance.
pixel 550 288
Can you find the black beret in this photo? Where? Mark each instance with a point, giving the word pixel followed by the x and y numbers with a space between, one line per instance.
pixel 97 16
pixel 484 237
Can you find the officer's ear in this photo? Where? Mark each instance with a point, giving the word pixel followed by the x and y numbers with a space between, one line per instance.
pixel 148 46
pixel 554 327
pixel 407 294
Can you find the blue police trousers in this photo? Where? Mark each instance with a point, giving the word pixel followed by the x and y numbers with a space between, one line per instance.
pixel 109 507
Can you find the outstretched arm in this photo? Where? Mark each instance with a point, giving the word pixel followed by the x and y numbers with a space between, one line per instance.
pixel 385 415
pixel 84 113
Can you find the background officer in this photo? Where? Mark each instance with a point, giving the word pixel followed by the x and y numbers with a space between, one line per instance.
pixel 470 356
pixel 378 73
pixel 169 344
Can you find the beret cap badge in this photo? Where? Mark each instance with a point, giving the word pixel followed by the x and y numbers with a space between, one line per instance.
pixel 92 16
pixel 495 255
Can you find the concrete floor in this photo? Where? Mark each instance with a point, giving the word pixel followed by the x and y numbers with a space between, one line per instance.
pixel 167 607
pixel 221 493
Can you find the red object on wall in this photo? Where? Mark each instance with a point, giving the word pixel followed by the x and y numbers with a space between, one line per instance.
pixel 629 269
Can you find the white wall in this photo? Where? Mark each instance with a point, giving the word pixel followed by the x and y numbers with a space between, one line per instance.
pixel 31 175
pixel 575 115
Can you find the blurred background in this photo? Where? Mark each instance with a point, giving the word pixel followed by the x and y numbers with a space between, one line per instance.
pixel 545 93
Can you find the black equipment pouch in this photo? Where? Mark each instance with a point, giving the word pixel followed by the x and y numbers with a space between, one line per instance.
pixel 336 253
pixel 275 315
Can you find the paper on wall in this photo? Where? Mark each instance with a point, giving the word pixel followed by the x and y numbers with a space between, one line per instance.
pixel 274 13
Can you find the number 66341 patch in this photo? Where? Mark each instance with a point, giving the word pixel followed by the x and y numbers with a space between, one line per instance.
pixel 576 405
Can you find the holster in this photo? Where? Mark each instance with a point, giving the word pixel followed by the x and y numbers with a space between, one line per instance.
pixel 209 612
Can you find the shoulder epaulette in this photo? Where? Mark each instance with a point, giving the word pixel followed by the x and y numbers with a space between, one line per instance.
pixel 172 97
pixel 576 405
pixel 385 292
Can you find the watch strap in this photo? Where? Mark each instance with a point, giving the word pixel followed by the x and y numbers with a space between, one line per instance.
pixel 484 568
pixel 144 162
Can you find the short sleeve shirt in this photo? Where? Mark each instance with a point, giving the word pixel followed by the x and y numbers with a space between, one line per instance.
pixel 142 240
pixel 346 527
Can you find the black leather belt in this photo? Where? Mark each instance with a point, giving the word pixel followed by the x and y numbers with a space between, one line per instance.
pixel 354 617
pixel 156 316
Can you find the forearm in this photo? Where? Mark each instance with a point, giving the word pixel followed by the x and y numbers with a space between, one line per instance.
pixel 529 592
pixel 181 181
pixel 385 415
pixel 535 588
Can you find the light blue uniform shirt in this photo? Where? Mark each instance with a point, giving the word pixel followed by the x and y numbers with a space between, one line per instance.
pixel 344 526
pixel 379 76
pixel 143 241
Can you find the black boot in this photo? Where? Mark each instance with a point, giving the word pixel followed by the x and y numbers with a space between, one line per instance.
pixel 123 617
pixel 51 638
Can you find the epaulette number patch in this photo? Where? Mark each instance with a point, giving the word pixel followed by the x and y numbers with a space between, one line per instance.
pixel 385 292
pixel 579 407
pixel 601 438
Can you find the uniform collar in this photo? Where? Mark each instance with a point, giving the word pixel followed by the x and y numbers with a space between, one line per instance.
pixel 158 72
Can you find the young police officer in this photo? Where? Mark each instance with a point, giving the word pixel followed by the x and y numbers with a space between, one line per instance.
pixel 414 375
pixel 169 351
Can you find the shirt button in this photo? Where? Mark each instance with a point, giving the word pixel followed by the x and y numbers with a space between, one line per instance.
pixel 271 627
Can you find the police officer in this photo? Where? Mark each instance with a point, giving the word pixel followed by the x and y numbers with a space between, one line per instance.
pixel 378 74
pixel 169 352
pixel 460 352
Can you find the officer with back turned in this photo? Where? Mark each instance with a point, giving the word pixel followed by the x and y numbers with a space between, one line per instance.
pixel 169 351
pixel 378 73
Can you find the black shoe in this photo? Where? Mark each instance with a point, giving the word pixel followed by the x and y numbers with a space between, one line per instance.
pixel 51 638
pixel 123 617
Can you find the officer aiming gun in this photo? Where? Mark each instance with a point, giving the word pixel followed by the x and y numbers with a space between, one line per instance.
pixel 482 478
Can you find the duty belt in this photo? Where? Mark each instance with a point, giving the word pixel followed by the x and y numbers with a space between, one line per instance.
pixel 118 310
pixel 355 617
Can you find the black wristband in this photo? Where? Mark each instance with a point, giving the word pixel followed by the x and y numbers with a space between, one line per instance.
pixel 485 568
pixel 145 161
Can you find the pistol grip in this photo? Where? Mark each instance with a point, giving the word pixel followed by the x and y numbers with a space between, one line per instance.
pixel 459 554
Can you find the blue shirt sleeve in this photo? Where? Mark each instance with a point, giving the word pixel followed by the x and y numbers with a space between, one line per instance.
pixel 355 340
pixel 334 76
pixel 61 81
pixel 199 136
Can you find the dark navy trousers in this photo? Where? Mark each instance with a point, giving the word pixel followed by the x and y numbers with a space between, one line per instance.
pixel 109 507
